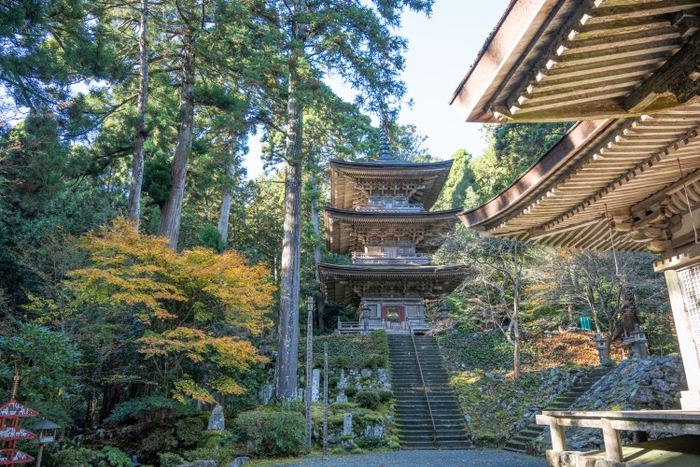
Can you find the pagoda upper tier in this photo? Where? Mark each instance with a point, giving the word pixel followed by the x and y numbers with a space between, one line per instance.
pixel 387 237
pixel 387 185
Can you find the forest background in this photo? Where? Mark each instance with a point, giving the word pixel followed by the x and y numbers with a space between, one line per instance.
pixel 136 258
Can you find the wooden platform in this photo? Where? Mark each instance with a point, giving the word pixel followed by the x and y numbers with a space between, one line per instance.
pixel 667 421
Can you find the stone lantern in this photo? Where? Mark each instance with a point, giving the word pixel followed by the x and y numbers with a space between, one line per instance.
pixel 601 345
pixel 365 318
pixel 47 434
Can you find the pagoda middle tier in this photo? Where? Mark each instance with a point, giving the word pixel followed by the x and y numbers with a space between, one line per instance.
pixel 387 237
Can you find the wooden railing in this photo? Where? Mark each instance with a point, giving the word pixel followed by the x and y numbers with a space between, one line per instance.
pixel 642 421
pixel 425 389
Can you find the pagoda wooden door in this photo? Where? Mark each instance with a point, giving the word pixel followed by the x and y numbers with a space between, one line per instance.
pixel 402 314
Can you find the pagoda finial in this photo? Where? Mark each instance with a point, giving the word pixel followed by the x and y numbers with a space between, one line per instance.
pixel 15 387
pixel 384 139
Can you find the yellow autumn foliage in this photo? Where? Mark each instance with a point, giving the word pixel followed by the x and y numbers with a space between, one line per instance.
pixel 188 304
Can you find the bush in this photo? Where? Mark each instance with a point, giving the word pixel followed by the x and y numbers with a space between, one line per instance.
pixel 385 396
pixel 273 433
pixel 189 431
pixel 82 457
pixel 170 459
pixel 368 400
pixel 155 407
pixel 350 391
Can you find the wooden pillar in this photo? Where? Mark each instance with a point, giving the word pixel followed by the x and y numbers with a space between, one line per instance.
pixel 558 439
pixel 679 292
pixel 613 447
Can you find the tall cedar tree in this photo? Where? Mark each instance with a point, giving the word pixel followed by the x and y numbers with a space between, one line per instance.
pixel 357 41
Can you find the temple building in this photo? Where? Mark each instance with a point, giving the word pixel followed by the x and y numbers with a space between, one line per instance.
pixel 626 177
pixel 379 216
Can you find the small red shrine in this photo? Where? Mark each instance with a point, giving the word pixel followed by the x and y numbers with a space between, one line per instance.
pixel 11 432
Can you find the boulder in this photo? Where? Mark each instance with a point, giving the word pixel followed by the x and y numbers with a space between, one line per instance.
pixel 239 461
pixel 216 419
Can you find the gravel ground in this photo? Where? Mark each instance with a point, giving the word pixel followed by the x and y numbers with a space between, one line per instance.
pixel 431 459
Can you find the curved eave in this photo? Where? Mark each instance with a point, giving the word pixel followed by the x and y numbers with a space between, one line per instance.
pixel 571 60
pixel 623 181
pixel 336 280
pixel 341 195
pixel 549 166
pixel 515 30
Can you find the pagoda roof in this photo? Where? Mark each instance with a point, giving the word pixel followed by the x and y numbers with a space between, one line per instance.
pixel 345 230
pixel 348 284
pixel 430 178
pixel 13 409
pixel 567 60
pixel 618 178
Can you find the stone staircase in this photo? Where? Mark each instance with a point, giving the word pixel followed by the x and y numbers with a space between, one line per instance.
pixel 521 442
pixel 413 416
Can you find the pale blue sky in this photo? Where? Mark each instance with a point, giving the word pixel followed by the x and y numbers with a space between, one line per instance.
pixel 441 48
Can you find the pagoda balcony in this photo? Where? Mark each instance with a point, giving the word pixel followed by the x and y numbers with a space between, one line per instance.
pixel 390 208
pixel 364 259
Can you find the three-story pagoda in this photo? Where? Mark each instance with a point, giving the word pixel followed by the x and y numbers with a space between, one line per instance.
pixel 380 217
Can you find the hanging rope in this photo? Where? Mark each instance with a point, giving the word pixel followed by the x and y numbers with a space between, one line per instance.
pixel 687 202
pixel 612 240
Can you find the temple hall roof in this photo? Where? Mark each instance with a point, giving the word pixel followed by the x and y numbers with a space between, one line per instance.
pixel 565 60
pixel 351 181
pixel 625 178
pixel 347 284
pixel 349 231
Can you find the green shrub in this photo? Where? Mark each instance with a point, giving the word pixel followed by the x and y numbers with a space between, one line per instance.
pixel 170 459
pixel 113 458
pixel 356 451
pixel 368 400
pixel 273 433
pixel 221 455
pixel 189 431
pixel 350 391
pixel 72 457
pixel 337 451
pixel 83 457
pixel 153 406
pixel 370 442
pixel 385 396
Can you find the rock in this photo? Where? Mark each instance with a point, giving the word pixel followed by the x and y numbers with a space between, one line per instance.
pixel 334 438
pixel 343 383
pixel 660 385
pixel 207 463
pixel 216 419
pixel 642 395
pixel 265 394
pixel 100 433
pixel 366 373
pixel 383 376
pixel 239 461
pixel 376 431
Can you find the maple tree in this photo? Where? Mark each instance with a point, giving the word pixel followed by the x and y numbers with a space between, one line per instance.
pixel 190 308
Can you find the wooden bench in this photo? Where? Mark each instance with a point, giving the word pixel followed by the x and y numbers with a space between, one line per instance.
pixel 668 421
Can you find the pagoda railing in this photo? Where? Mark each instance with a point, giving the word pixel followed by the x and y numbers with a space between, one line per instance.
pixel 381 259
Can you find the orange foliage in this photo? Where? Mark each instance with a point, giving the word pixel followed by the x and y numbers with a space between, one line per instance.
pixel 576 347
pixel 184 301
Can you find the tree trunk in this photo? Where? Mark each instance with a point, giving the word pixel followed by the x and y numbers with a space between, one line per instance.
pixel 287 354
pixel 227 197
pixel 134 212
pixel 317 254
pixel 172 209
